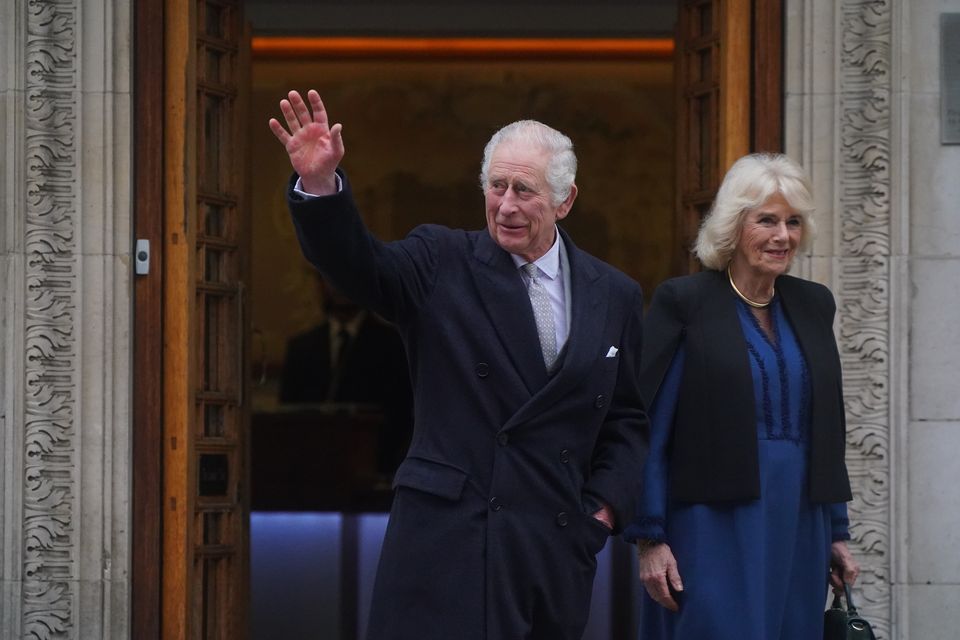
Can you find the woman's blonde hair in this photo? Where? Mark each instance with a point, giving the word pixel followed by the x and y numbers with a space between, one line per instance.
pixel 750 182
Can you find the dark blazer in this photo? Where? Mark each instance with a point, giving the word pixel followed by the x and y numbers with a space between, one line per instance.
pixel 713 454
pixel 490 534
pixel 373 372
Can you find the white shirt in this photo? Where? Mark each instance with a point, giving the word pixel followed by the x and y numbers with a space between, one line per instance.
pixel 352 328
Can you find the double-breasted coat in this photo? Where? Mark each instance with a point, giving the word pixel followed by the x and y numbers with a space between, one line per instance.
pixel 491 535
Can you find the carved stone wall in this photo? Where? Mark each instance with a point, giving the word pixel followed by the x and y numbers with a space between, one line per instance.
pixel 65 318
pixel 839 124
pixel 863 287
pixel 51 368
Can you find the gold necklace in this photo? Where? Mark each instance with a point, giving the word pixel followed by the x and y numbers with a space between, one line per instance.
pixel 755 305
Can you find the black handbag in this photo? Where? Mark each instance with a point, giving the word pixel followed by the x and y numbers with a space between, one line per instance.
pixel 845 624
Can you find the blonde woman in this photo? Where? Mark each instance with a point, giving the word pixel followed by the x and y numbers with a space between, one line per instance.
pixel 743 509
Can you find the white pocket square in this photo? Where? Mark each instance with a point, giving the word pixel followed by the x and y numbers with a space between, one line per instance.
pixel 612 352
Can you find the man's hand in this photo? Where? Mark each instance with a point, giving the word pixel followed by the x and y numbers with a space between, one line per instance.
pixel 658 572
pixel 605 515
pixel 315 148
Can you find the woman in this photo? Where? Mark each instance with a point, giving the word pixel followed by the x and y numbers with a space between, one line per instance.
pixel 743 508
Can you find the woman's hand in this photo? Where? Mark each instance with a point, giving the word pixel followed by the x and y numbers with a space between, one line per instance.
pixel 843 567
pixel 658 572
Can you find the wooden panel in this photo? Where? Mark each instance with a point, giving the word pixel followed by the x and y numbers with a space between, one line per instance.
pixel 147 436
pixel 204 577
pixel 714 80
pixel 221 243
pixel 178 376
pixel 735 82
pixel 767 109
pixel 698 71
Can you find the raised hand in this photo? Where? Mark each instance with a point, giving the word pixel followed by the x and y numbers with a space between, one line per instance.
pixel 315 148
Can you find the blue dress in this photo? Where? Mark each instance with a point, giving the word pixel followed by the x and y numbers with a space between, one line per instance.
pixel 755 569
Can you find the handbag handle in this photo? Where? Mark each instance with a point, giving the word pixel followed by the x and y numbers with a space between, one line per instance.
pixel 851 608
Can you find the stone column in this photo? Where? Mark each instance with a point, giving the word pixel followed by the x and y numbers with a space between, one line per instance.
pixel 842 124
pixel 65 315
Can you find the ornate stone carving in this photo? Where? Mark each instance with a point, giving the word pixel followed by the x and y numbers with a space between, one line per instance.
pixel 864 286
pixel 51 362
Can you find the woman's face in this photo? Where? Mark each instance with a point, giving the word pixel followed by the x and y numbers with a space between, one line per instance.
pixel 769 238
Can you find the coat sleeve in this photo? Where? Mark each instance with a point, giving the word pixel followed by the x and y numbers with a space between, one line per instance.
pixel 392 279
pixel 651 515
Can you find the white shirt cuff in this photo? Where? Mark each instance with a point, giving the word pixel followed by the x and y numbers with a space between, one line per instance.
pixel 297 188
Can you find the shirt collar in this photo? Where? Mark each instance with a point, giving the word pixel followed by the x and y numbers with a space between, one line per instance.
pixel 352 325
pixel 548 263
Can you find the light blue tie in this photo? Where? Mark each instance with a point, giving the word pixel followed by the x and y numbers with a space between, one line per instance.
pixel 543 315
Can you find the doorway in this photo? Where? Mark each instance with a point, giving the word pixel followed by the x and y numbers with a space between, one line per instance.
pixel 414 127
pixel 621 108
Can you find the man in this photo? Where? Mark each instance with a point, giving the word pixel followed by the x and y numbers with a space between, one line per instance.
pixel 529 430
pixel 353 358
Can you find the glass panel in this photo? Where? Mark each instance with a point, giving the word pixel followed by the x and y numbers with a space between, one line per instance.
pixel 214 22
pixel 213 218
pixel 213 479
pixel 211 342
pixel 213 595
pixel 705 18
pixel 213 66
pixel 213 421
pixel 213 271
pixel 706 64
pixel 213 142
pixel 213 524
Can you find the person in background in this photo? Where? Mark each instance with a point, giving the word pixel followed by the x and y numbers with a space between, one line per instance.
pixel 529 426
pixel 353 358
pixel 743 509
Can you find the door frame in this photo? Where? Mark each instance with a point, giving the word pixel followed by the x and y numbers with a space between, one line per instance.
pixel 149 218
pixel 147 406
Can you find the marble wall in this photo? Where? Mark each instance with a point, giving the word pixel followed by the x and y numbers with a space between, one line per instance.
pixel 863 116
pixel 930 476
pixel 65 316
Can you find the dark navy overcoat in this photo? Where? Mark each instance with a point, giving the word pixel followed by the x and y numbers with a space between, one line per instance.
pixel 490 534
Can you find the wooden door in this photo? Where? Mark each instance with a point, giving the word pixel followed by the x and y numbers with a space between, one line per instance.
pixel 205 424
pixel 729 99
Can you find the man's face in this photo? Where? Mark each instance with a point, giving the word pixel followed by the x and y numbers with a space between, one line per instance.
pixel 520 212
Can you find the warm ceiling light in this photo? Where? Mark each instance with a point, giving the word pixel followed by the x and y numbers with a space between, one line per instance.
pixel 592 48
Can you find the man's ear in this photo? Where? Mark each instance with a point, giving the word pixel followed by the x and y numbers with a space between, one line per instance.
pixel 567 204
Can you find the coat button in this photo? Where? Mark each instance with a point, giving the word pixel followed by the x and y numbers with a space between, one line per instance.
pixel 564 456
pixel 600 401
pixel 482 369
pixel 502 439
pixel 495 504
pixel 562 519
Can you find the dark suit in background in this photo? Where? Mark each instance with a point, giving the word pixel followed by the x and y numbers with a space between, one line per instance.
pixel 371 370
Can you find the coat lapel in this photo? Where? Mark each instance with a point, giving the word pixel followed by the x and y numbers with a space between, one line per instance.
pixel 590 296
pixel 803 319
pixel 507 304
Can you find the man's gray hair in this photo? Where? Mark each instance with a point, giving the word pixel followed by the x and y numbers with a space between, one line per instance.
pixel 561 167
pixel 750 182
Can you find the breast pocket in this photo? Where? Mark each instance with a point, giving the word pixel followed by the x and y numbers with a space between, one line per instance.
pixel 431 477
